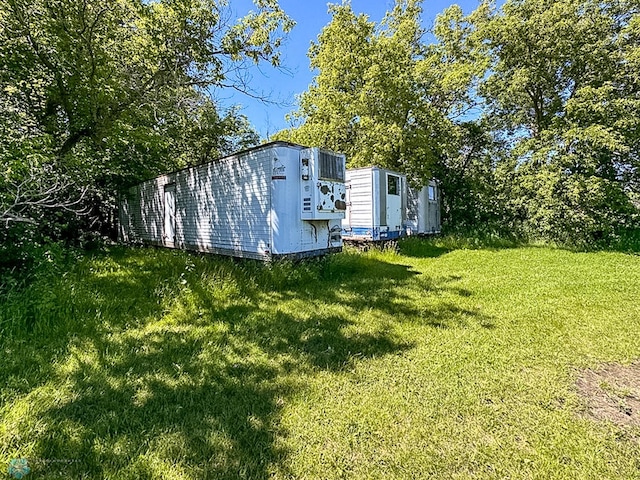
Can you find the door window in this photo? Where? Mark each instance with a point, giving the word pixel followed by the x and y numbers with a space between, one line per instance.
pixel 432 193
pixel 393 185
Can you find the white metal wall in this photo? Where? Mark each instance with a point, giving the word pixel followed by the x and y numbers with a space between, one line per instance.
pixel 221 207
pixel 423 214
pixel 225 205
pixel 247 205
pixel 360 204
pixel 373 213
pixel 291 232
pixel 148 197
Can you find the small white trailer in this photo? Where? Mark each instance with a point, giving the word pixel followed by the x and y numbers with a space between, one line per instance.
pixel 376 205
pixel 381 206
pixel 423 210
pixel 275 200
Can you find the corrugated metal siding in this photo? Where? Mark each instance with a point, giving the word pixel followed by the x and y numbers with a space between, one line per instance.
pixel 225 205
pixel 413 200
pixel 360 213
pixel 221 207
pixel 142 212
pixel 423 215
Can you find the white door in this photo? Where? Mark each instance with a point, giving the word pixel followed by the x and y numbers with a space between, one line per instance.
pixel 394 202
pixel 433 220
pixel 169 215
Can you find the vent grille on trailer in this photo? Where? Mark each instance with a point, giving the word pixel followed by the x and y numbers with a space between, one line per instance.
pixel 331 167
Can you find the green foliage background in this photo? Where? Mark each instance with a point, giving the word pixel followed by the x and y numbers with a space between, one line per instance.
pixel 99 95
pixel 527 114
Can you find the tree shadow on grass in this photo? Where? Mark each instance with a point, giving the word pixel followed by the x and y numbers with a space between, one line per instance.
pixel 207 402
pixel 182 365
pixel 449 315
pixel 432 247
pixel 419 247
pixel 165 412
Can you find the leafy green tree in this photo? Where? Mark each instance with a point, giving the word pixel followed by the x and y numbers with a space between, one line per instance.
pixel 371 97
pixel 562 87
pixel 386 98
pixel 471 182
pixel 557 84
pixel 101 94
pixel 469 156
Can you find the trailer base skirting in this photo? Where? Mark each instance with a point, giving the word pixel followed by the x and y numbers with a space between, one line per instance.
pixel 370 234
pixel 230 252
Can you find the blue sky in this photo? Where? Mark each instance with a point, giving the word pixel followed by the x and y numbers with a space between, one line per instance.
pixel 282 85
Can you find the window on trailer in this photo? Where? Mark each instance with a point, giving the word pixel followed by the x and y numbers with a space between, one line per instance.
pixel 432 193
pixel 393 185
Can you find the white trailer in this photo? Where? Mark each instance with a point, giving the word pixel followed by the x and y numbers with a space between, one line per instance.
pixel 376 205
pixel 275 200
pixel 423 210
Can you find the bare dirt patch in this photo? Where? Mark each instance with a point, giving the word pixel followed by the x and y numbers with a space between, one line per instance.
pixel 612 393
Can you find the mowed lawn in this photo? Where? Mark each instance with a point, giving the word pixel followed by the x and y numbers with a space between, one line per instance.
pixel 433 362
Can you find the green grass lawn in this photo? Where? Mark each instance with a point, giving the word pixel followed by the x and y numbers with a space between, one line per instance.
pixel 434 362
